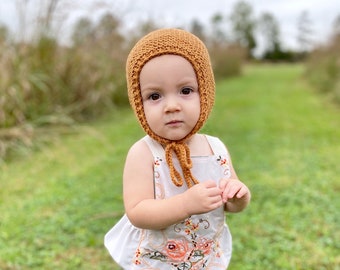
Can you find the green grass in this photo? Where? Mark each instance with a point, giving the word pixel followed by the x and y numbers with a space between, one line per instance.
pixel 285 145
pixel 56 204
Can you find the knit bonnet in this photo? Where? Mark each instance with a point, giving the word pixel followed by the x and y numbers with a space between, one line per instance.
pixel 174 42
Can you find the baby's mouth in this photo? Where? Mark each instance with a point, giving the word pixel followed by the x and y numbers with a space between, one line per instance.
pixel 174 122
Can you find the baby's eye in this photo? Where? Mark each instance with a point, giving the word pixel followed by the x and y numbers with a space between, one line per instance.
pixel 186 91
pixel 155 96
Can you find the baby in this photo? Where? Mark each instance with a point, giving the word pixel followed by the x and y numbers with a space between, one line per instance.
pixel 177 182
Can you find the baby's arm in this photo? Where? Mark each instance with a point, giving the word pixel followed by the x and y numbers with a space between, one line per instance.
pixel 144 211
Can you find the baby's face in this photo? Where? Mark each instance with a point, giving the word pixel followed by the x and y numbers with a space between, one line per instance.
pixel 170 95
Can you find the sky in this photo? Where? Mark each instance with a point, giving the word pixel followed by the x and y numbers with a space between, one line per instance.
pixel 322 13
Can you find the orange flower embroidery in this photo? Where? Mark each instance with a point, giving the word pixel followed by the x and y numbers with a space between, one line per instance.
pixel 176 250
pixel 157 161
pixel 188 222
pixel 204 245
pixel 225 164
pixel 137 255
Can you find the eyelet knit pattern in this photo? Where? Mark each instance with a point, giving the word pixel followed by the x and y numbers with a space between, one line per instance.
pixel 182 43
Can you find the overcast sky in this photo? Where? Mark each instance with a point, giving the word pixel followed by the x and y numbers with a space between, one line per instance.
pixel 322 13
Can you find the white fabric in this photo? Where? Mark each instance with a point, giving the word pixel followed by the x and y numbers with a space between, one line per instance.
pixel 199 242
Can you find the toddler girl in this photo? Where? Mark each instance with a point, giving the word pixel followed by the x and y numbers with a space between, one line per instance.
pixel 177 183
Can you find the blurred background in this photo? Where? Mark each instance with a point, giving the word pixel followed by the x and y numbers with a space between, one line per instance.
pixel 65 124
pixel 63 61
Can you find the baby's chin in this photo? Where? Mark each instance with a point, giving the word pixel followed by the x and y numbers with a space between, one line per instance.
pixel 175 138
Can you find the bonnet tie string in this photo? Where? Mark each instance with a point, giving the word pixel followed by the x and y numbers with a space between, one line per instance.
pixel 182 152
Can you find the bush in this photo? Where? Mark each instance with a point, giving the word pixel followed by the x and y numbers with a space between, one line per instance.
pixel 44 79
pixel 323 69
pixel 227 60
pixel 43 83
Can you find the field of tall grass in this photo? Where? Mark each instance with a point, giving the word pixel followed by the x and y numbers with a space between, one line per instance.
pixel 56 203
pixel 44 83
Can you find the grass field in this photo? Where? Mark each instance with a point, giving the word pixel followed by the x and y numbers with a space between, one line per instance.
pixel 57 203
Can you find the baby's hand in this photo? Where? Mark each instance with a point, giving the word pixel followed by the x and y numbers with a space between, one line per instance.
pixel 202 198
pixel 233 190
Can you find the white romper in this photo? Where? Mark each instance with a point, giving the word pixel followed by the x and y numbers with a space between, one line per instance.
pixel 198 242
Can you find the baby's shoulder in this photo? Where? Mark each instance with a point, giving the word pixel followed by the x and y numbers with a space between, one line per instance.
pixel 140 149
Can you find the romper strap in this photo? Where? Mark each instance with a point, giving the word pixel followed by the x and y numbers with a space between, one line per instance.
pixel 221 150
pixel 155 147
pixel 217 146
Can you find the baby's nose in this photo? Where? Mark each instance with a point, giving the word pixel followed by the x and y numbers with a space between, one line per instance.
pixel 172 104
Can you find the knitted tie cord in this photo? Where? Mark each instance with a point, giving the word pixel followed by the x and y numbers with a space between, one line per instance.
pixel 182 152
pixel 182 43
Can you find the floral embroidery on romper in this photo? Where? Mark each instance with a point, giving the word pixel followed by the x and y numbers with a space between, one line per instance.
pixel 189 250
pixel 224 163
pixel 181 253
pixel 198 242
